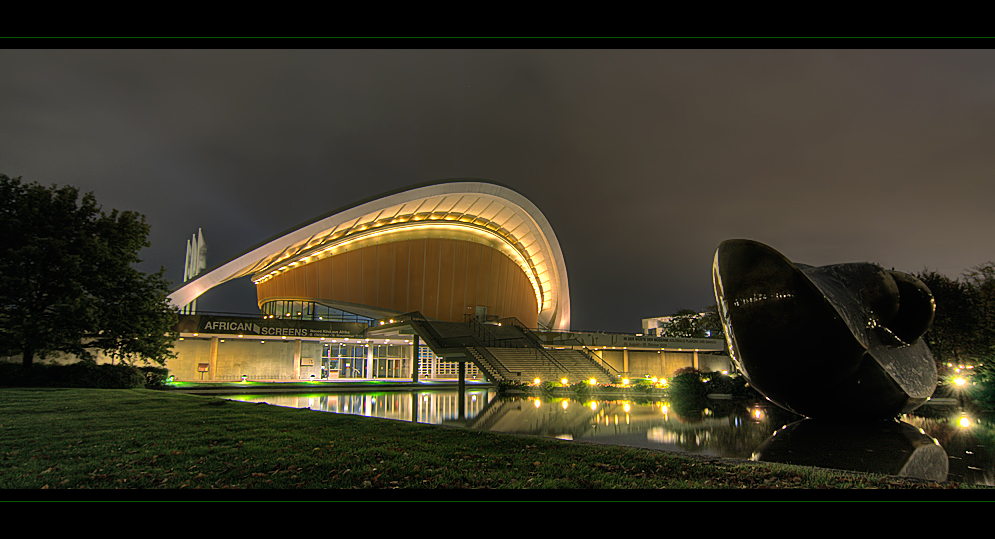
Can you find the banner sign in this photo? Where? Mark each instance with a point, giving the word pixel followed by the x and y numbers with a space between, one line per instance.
pixel 266 327
pixel 552 338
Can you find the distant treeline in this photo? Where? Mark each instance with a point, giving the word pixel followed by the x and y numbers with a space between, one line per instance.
pixel 963 330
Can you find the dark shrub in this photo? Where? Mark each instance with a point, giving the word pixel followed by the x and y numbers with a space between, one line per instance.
pixel 120 376
pixel 582 388
pixel 982 390
pixel 716 382
pixel 155 377
pixel 512 385
pixel 688 370
pixel 15 375
pixel 79 374
pixel 688 388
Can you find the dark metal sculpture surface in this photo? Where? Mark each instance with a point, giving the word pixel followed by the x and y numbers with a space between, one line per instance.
pixel 837 341
pixel 881 447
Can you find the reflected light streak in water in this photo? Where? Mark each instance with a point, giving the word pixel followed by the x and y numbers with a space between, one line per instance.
pixel 435 407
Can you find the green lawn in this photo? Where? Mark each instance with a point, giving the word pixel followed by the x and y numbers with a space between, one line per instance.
pixel 53 438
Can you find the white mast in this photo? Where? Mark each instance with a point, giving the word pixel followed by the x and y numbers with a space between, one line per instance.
pixel 195 262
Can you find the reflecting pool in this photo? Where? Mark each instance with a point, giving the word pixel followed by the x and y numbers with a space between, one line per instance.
pixel 936 443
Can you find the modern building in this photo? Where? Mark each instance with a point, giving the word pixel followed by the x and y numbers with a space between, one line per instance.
pixel 410 284
pixel 445 249
pixel 450 250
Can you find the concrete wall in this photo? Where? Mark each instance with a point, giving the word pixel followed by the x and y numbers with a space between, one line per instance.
pixel 270 360
pixel 661 364
pixel 713 363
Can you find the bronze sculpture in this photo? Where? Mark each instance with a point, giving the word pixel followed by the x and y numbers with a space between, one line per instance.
pixel 838 341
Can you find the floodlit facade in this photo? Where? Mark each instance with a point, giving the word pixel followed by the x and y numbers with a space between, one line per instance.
pixel 467 251
pixel 446 249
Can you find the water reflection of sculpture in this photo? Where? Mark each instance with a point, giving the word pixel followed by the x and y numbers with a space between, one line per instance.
pixel 884 447
pixel 840 341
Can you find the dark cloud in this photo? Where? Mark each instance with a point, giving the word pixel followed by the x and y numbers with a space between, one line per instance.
pixel 642 160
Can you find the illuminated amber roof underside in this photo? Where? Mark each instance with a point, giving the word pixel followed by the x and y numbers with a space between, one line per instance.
pixel 470 210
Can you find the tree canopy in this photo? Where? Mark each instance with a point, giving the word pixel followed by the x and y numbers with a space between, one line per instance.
pixel 963 329
pixel 67 281
pixel 691 324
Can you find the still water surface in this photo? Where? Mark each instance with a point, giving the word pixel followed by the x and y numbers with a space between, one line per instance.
pixel 943 444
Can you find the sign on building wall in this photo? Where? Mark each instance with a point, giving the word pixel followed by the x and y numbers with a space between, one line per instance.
pixel 629 341
pixel 221 325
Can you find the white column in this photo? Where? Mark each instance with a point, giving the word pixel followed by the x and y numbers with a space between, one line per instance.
pixel 369 361
pixel 297 359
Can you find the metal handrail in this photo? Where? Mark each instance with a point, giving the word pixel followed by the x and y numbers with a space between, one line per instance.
pixel 489 357
pixel 477 327
pixel 534 339
pixel 609 370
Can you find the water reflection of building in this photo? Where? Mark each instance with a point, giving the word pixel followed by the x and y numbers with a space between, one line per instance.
pixel 738 432
pixel 433 407
pixel 652 425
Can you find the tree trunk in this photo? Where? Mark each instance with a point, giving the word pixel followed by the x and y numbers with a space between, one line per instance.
pixel 29 356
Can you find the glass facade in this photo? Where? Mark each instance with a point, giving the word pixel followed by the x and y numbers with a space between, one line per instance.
pixel 431 366
pixel 347 360
pixel 310 310
pixel 343 361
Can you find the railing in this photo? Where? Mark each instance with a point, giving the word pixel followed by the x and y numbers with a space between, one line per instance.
pixel 425 329
pixel 480 330
pixel 238 377
pixel 489 359
pixel 609 370
pixel 549 358
pixel 421 323
pixel 527 331
pixel 487 416
pixel 594 331
pixel 534 342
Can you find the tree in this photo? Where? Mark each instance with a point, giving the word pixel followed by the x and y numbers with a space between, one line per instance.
pixel 67 281
pixel 981 280
pixel 711 323
pixel 950 336
pixel 684 323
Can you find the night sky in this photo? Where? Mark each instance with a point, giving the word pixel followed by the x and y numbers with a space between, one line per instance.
pixel 642 160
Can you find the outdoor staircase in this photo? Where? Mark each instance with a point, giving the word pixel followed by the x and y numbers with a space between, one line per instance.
pixel 506 351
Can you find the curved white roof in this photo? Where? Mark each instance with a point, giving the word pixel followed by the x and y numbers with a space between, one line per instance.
pixel 474 206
